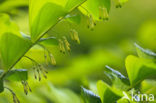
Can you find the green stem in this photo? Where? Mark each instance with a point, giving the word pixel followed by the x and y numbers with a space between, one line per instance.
pixel 31 59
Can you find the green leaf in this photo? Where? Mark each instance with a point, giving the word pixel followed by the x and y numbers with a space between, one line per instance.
pixel 148 86
pixel 17 75
pixel 117 74
pixel 106 94
pixel 92 7
pixel 139 69
pixel 89 96
pixel 9 5
pixel 7 25
pixel 119 81
pixel 12 45
pixel 1 85
pixel 49 41
pixel 47 16
pixel 45 13
pixel 12 48
pixel 145 53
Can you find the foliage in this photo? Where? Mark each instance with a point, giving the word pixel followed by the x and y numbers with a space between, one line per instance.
pixel 138 69
pixel 34 49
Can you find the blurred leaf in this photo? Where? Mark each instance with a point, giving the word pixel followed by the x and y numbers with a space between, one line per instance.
pixel 45 14
pixel 107 95
pixel 9 5
pixel 89 97
pixel 7 25
pixel 1 71
pixel 148 87
pixel 17 75
pixel 145 53
pixel 1 85
pixel 139 69
pixel 146 34
pixel 123 1
pixel 90 64
pixel 60 95
pixel 92 6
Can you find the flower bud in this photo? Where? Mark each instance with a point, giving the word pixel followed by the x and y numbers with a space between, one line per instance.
pixel 105 14
pixel 91 22
pixel 39 76
pixel 53 61
pixel 45 57
pixel 34 70
pixel 76 37
pixel 67 44
pixel 100 13
pixel 61 46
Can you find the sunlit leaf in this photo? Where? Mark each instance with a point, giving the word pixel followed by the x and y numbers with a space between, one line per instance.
pixel 12 45
pixel 139 69
pixel 106 94
pixel 45 13
pixel 47 16
pixel 12 48
pixel 89 97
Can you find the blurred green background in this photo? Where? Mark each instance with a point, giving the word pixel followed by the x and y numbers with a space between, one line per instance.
pixel 108 44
